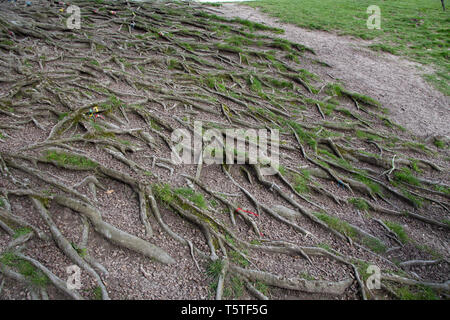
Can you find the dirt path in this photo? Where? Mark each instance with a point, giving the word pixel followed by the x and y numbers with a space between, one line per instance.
pixel 394 81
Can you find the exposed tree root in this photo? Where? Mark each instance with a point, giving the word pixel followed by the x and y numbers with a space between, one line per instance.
pixel 57 282
pixel 113 234
pixel 316 286
pixel 439 286
pixel 67 248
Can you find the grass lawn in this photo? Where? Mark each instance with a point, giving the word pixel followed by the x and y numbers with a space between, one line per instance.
pixel 417 29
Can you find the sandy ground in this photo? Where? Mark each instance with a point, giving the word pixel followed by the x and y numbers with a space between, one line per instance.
pixel 394 81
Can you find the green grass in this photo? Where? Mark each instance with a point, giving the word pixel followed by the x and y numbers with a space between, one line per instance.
pixel 252 26
pixel 237 258
pixel 214 268
pixel 233 289
pixel 96 293
pixel 21 231
pixel 346 229
pixel 301 183
pixel 282 170
pixel 416 29
pixel 328 109
pixel 398 230
pixel 324 246
pixel 191 195
pixel 113 102
pixel 174 64
pixel 98 88
pixel 436 187
pixel 405 175
pixel 7 42
pixel 230 240
pixel 418 293
pixel 163 192
pixel 228 48
pixel 237 285
pixel 427 249
pixel 439 143
pixel 81 251
pixel 227 292
pixel 373 186
pixel 360 203
pixel 256 242
pixel 383 47
pixel 303 135
pixel 374 244
pixel 307 276
pixel 338 225
pixel 362 98
pixel 338 90
pixel 262 287
pixel 65 159
pixel 213 203
pixel 368 136
pixel 63 115
pixel 417 201
pixel 416 146
pixel 25 268
pixel 238 41
pixel 414 163
pixel 94 62
pixel 362 267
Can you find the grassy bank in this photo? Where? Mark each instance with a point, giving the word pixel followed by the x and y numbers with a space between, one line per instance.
pixel 416 29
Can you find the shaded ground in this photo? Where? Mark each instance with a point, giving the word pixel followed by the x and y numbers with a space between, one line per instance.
pixel 353 188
